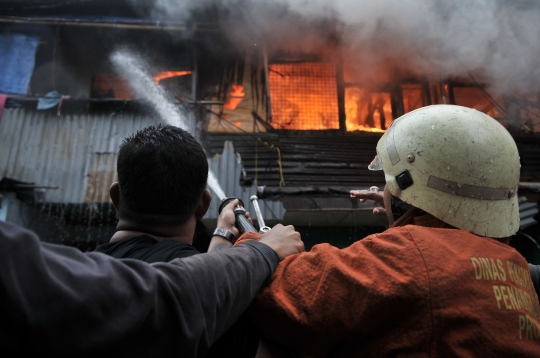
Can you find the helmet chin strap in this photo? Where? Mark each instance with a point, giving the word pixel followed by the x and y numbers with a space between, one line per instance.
pixel 399 207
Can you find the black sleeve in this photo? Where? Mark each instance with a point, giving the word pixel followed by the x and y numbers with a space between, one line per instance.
pixel 58 301
pixel 535 277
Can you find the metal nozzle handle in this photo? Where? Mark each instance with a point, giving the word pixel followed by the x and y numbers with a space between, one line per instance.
pixel 242 223
pixel 262 227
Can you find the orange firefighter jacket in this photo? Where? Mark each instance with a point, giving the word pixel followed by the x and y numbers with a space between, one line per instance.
pixel 421 288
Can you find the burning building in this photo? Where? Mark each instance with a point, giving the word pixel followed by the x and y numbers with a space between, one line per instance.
pixel 291 113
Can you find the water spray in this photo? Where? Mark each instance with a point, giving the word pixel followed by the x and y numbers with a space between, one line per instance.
pixel 141 82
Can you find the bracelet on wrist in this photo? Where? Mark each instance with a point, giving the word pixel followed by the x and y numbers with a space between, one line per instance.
pixel 226 234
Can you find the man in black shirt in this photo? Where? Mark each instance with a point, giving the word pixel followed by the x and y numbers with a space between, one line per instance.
pixel 153 248
pixel 160 195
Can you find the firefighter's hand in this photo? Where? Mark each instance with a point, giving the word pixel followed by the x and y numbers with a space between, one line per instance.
pixel 372 194
pixel 227 219
pixel 284 240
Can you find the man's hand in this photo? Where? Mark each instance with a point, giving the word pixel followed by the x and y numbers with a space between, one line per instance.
pixel 374 195
pixel 284 240
pixel 227 218
pixel 226 221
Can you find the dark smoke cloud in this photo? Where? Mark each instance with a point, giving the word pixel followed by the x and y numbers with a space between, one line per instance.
pixel 499 37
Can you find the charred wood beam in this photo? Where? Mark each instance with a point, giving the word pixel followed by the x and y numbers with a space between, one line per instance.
pixel 264 123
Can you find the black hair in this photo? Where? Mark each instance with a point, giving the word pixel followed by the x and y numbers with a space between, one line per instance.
pixel 162 173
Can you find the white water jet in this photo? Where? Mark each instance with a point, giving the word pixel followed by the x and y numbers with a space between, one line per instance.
pixel 133 69
pixel 144 88
pixel 213 183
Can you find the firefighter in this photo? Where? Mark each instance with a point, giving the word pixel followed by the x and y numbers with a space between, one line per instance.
pixel 442 280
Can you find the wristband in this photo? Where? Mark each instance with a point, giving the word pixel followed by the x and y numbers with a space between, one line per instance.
pixel 226 234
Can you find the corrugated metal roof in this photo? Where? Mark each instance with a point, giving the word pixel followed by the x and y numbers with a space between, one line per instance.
pixel 78 154
pixel 529 153
pixel 326 162
pixel 75 152
pixel 315 162
pixel 527 212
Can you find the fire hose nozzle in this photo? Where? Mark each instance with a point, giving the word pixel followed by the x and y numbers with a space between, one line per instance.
pixel 262 227
pixel 242 223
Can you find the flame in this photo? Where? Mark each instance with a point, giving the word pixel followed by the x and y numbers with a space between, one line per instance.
pixel 367 111
pixel 236 96
pixel 304 96
pixel 160 76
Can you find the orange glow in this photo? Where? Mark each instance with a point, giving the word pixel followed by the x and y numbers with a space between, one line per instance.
pixel 352 128
pixel 474 97
pixel 236 96
pixel 304 96
pixel 367 111
pixel 238 124
pixel 413 97
pixel 530 112
pixel 160 76
pixel 107 85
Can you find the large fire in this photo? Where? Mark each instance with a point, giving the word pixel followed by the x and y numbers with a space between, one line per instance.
pixel 367 111
pixel 304 96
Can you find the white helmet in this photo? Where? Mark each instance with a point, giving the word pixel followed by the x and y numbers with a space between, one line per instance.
pixel 457 164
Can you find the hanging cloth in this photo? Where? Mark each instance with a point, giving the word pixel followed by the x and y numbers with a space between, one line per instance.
pixel 3 99
pixel 50 100
pixel 17 59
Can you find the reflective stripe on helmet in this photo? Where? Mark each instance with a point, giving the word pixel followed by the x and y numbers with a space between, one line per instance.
pixel 470 191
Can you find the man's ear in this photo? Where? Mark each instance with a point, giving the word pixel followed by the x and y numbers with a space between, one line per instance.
pixel 114 193
pixel 204 204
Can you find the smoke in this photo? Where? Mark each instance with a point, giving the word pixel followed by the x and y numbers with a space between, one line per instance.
pixel 135 70
pixel 497 37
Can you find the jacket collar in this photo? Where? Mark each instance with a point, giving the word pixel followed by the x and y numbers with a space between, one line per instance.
pixel 421 218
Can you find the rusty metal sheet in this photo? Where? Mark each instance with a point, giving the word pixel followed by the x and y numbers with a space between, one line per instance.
pixel 78 154
pixel 66 151
pixel 100 176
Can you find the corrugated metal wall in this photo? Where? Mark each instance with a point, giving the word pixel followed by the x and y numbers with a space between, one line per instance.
pixel 77 153
pixel 64 151
pixel 227 168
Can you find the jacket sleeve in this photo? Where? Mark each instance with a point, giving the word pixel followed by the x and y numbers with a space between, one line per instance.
pixel 248 236
pixel 535 277
pixel 316 300
pixel 58 301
